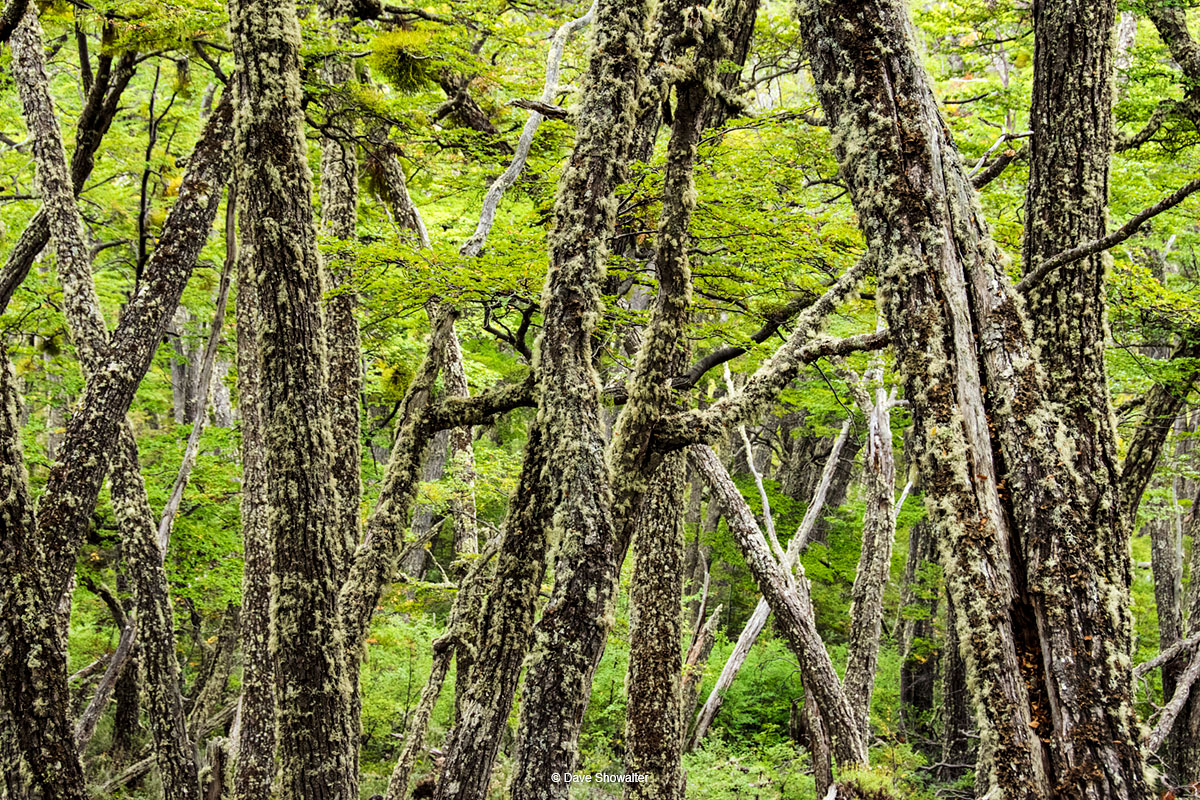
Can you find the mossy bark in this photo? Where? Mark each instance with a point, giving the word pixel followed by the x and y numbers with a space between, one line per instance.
pixel 254 747
pixel 1078 582
pixel 279 245
pixel 957 325
pixel 654 720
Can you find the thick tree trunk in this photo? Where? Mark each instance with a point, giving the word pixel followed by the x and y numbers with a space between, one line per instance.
pixel 944 289
pixel 653 719
pixel 278 233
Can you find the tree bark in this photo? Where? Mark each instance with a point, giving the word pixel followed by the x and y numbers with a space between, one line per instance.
pixel 653 718
pixel 254 747
pixel 279 240
pixel 875 560
pixel 789 600
pixel 918 645
pixel 944 289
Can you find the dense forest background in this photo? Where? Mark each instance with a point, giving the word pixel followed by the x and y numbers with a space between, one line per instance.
pixel 445 144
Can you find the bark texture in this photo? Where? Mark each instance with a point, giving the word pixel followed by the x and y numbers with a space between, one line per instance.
pixel 943 290
pixel 278 239
pixel 254 746
pixel 653 719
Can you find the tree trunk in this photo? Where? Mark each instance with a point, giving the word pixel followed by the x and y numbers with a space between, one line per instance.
pixel 254 748
pixel 875 560
pixel 944 288
pixel 789 600
pixel 693 670
pixel 279 242
pixel 653 719
pixel 958 750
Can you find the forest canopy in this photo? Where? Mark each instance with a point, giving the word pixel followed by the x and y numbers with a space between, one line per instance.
pixel 678 399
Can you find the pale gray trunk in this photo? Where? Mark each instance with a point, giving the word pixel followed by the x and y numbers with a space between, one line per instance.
pixel 758 619
pixel 789 600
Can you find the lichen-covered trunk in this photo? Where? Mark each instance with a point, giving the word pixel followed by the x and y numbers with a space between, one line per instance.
pixel 113 369
pixel 957 326
pixel 254 748
pixel 918 645
pixel 567 439
pixel 959 751
pixel 279 244
pixel 36 732
pixel 794 616
pixel 339 219
pixel 653 719
pixel 1078 583
pixel 875 560
pixel 173 749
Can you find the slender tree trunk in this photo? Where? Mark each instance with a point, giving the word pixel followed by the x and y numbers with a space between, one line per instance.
pixel 567 443
pixel 308 646
pixel 758 619
pixel 694 665
pixel 789 600
pixel 254 748
pixel 875 560
pixel 958 749
pixel 653 718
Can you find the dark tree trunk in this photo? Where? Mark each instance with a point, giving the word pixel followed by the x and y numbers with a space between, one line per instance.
pixel 958 747
pixel 307 547
pixel 254 748
pixel 653 719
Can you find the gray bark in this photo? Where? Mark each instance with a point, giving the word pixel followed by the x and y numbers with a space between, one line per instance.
pixel 279 240
pixel 758 619
pixel 654 722
pixel 254 742
pixel 788 599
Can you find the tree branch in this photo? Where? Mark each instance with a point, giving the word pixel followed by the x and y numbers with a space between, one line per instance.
pixel 1111 240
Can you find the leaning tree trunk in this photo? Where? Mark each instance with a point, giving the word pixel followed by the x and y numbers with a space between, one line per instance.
pixel 758 619
pixel 565 442
pixel 944 289
pixel 790 602
pixel 279 243
pixel 113 370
